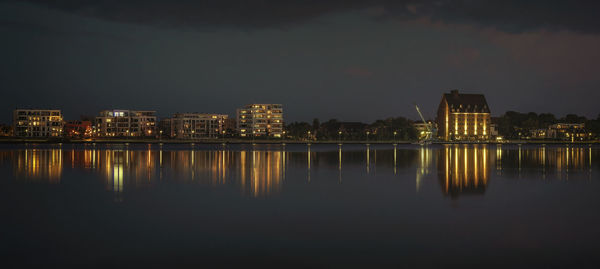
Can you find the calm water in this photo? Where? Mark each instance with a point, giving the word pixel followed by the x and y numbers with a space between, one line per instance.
pixel 275 206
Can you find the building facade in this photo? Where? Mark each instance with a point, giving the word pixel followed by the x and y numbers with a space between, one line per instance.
pixel 568 131
pixel 424 130
pixel 125 123
pixel 260 120
pixel 463 117
pixel 37 123
pixel 197 125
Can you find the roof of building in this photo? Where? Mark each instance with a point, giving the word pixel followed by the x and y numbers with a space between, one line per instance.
pixel 463 102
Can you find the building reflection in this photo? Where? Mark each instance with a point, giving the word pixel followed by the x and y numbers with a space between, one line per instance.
pixel 557 161
pixel 38 164
pixel 423 165
pixel 256 173
pixel 266 173
pixel 463 169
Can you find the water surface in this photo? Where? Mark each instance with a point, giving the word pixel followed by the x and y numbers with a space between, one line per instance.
pixel 353 206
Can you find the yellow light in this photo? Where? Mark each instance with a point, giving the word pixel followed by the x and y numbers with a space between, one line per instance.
pixel 475 129
pixel 465 124
pixel 456 124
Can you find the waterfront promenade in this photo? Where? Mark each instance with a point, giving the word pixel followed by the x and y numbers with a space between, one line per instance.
pixel 13 140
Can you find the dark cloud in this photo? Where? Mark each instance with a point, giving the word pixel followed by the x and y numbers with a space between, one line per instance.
pixel 35 28
pixel 27 27
pixel 505 15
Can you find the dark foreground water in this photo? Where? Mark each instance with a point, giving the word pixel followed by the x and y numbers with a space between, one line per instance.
pixel 280 207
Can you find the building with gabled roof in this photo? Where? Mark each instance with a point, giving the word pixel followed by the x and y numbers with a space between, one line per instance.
pixel 463 117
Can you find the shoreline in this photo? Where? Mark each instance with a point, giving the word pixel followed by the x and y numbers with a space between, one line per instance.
pixel 245 141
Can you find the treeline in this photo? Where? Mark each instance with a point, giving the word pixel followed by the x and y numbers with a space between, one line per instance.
pixel 334 130
pixel 515 124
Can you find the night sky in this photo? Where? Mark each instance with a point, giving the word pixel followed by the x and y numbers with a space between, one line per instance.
pixel 350 60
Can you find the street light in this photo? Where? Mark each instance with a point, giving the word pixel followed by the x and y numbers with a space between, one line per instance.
pixel 340 137
pixel 368 137
pixel 395 133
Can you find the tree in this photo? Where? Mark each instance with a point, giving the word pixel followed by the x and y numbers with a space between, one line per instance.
pixel 546 119
pixel 316 126
pixel 298 130
pixel 572 118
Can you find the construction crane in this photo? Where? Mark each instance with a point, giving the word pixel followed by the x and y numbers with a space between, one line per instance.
pixel 429 132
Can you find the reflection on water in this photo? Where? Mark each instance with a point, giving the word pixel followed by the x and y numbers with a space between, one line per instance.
pixel 461 169
pixel 425 162
pixel 38 165
pixel 145 205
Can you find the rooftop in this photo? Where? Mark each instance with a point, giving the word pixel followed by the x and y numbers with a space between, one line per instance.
pixel 465 102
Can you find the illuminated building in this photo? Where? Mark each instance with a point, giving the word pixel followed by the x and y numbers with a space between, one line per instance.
pixel 126 123
pixel 568 131
pixel 493 130
pixel 422 128
pixel 78 128
pixel 37 123
pixel 197 125
pixel 463 117
pixel 260 120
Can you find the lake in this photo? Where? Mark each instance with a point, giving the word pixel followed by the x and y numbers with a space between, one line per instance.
pixel 299 206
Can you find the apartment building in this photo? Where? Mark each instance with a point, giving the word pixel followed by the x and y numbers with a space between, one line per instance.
pixel 256 120
pixel 463 117
pixel 568 131
pixel 37 123
pixel 197 125
pixel 126 123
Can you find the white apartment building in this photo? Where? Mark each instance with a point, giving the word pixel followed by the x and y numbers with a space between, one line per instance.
pixel 37 123
pixel 197 125
pixel 256 120
pixel 125 123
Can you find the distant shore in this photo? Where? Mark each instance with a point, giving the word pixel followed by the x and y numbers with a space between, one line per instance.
pixel 12 140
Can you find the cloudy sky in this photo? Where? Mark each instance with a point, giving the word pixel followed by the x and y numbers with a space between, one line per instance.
pixel 346 59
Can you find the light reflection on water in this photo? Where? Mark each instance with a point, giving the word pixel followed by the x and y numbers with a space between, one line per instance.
pixel 321 206
pixel 461 169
